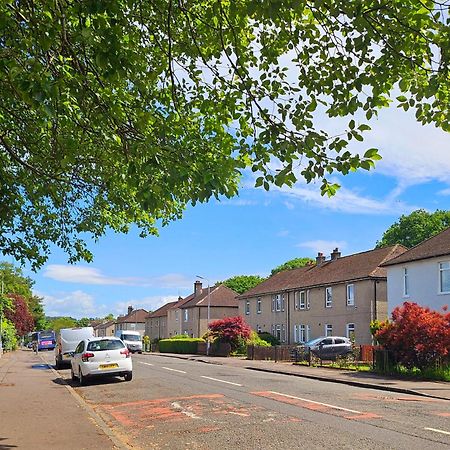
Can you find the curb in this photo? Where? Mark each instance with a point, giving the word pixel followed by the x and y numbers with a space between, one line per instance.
pixel 352 383
pixel 360 384
pixel 90 410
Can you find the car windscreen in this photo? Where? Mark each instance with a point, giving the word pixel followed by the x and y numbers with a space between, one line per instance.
pixel 313 342
pixel 105 344
pixel 130 337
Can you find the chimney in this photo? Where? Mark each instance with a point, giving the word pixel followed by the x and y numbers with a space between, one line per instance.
pixel 335 254
pixel 130 309
pixel 320 258
pixel 197 288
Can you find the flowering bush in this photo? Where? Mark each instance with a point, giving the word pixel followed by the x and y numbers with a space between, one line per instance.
pixel 417 335
pixel 231 330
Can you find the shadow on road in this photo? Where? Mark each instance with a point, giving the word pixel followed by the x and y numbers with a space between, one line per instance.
pixel 90 382
pixel 6 446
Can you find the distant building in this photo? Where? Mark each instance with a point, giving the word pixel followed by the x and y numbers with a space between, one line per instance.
pixel 156 322
pixel 190 315
pixel 134 320
pixel 105 328
pixel 421 274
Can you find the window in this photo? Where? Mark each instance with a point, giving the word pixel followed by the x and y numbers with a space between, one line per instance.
pixel 176 315
pixel 278 302
pixel 247 307
pixel 258 328
pixel 328 297
pixel 328 330
pixel 302 303
pixel 350 330
pixel 304 333
pixel 444 277
pixel 278 332
pixel 405 283
pixel 258 306
pixel 350 295
pixel 186 315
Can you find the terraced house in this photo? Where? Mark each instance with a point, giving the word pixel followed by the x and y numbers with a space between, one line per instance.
pixel 336 296
pixel 190 315
pixel 156 322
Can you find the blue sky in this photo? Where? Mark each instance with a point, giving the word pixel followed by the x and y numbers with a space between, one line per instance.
pixel 255 232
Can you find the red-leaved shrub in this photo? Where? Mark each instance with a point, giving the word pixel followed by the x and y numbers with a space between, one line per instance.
pixel 230 330
pixel 417 335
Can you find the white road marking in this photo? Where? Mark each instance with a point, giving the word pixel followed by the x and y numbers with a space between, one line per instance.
pixel 190 414
pixel 317 403
pixel 174 370
pixel 438 431
pixel 221 381
pixel 147 364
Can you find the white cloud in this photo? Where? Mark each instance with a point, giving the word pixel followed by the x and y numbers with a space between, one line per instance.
pixel 90 275
pixel 282 233
pixel 237 202
pixel 151 303
pixel 325 247
pixel 289 205
pixel 444 192
pixel 75 304
pixel 347 201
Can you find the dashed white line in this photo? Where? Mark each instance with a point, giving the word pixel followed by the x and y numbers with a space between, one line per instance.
pixel 438 431
pixel 221 381
pixel 174 370
pixel 317 403
pixel 147 364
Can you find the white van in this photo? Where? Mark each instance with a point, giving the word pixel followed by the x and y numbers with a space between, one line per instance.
pixel 132 339
pixel 67 340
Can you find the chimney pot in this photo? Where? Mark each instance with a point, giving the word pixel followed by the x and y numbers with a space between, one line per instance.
pixel 130 309
pixel 320 258
pixel 197 288
pixel 335 254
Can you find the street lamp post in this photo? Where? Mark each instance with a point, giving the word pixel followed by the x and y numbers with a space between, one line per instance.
pixel 208 313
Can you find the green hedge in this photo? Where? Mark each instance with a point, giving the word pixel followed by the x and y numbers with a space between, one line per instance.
pixel 178 345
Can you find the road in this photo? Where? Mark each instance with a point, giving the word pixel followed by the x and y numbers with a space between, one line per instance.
pixel 173 403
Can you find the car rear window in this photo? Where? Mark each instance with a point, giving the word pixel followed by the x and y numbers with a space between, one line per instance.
pixel 131 337
pixel 105 344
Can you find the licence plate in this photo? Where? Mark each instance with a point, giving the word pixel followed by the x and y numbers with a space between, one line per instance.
pixel 108 366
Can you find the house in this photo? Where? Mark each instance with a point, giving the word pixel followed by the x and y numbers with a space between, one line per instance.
pixel 105 328
pixel 339 296
pixel 134 320
pixel 190 315
pixel 421 274
pixel 156 322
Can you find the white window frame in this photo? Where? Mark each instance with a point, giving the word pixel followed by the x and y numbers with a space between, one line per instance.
pixel 350 294
pixel 405 282
pixel 296 333
pixel 278 302
pixel 278 332
pixel 302 302
pixel 328 329
pixel 442 270
pixel 350 328
pixel 247 307
pixel 328 297
pixel 303 333
pixel 186 315
pixel 258 306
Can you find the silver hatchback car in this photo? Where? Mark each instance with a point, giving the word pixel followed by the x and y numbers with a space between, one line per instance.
pixel 329 347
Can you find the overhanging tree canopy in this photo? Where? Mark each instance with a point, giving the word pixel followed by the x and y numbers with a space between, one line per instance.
pixel 121 112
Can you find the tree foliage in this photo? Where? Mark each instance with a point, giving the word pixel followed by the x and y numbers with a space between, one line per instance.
pixel 417 335
pixel 414 228
pixel 121 112
pixel 230 330
pixel 292 264
pixel 19 315
pixel 61 322
pixel 242 283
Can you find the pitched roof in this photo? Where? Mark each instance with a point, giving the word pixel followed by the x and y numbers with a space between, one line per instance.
pixel 161 312
pixel 437 245
pixel 219 295
pixel 347 268
pixel 105 324
pixel 137 315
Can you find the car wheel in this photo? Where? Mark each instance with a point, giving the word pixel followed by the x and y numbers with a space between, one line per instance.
pixel 57 364
pixel 72 374
pixel 81 377
pixel 128 376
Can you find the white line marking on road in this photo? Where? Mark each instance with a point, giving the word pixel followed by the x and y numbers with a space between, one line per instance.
pixel 174 370
pixel 190 414
pixel 438 431
pixel 317 403
pixel 147 364
pixel 221 381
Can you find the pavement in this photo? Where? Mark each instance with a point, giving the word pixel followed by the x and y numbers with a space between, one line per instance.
pixel 38 410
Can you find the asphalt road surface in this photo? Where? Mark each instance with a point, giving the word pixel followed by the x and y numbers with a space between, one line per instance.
pixel 181 404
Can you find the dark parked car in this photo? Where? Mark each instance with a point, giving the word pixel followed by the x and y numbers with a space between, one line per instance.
pixel 329 347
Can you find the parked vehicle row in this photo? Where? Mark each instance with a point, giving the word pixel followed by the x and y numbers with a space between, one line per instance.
pixel 89 356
